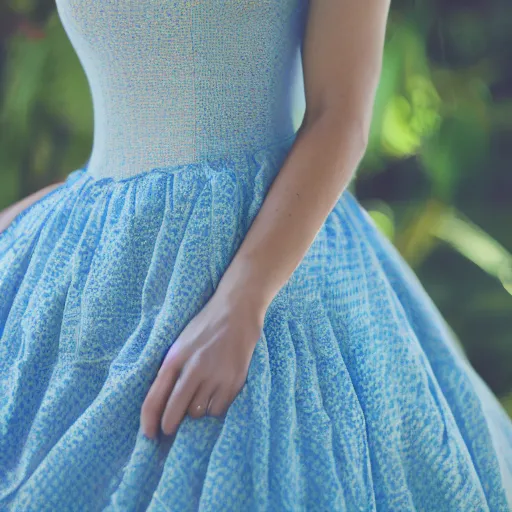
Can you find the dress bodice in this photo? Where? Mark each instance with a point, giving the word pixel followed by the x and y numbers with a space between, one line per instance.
pixel 181 81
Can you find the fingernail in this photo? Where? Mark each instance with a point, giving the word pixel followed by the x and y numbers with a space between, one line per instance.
pixel 143 431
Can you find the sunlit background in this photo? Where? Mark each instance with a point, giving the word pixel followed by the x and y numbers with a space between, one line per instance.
pixel 436 178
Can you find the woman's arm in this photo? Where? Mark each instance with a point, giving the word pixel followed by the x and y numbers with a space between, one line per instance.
pixel 342 58
pixel 8 215
pixel 208 363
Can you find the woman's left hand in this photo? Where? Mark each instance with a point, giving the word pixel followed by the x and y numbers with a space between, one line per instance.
pixel 206 366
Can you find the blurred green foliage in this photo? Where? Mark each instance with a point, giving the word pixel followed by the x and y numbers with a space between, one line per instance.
pixel 436 178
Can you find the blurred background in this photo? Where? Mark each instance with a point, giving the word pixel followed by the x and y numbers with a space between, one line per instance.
pixel 436 178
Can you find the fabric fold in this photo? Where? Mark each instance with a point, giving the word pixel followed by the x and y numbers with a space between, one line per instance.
pixel 355 399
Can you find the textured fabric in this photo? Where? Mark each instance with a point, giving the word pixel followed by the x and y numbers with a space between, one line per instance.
pixel 180 81
pixel 357 396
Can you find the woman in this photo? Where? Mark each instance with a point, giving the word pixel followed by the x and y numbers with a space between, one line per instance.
pixel 203 318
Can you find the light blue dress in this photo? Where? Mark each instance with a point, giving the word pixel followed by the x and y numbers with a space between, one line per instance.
pixel 357 397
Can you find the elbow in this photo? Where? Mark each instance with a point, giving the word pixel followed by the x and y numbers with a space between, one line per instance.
pixel 347 125
pixel 361 130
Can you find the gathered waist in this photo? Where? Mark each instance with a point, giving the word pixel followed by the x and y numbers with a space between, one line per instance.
pixel 245 173
pixel 119 163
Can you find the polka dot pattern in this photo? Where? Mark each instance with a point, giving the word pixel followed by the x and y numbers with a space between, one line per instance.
pixel 357 397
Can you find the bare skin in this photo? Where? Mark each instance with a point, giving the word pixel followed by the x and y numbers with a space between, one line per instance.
pixel 8 214
pixel 207 364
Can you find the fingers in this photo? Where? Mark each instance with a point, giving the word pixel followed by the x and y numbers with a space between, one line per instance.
pixel 202 398
pixel 156 399
pixel 217 401
pixel 179 388
pixel 181 396
pixel 218 404
pixel 221 400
